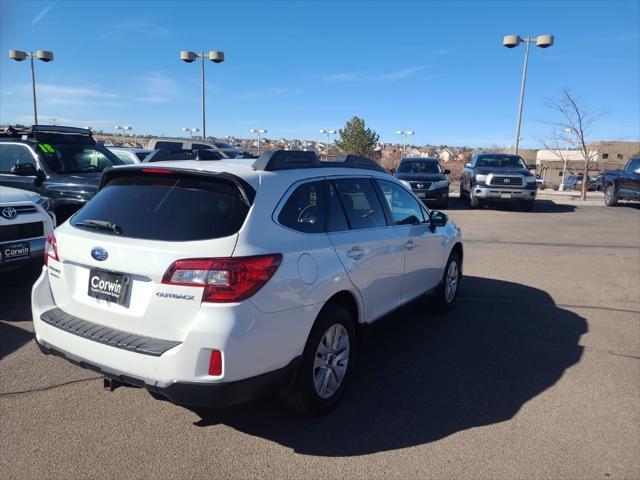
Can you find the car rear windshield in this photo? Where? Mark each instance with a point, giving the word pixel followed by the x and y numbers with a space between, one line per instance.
pixel 419 166
pixel 501 161
pixel 77 158
pixel 165 207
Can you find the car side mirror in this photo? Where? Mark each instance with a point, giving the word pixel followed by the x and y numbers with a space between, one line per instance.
pixel 25 170
pixel 437 219
pixel 447 171
pixel 467 165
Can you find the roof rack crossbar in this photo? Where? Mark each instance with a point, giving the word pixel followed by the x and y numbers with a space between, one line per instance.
pixel 273 160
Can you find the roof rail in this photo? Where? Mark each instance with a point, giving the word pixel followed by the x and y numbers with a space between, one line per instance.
pixel 273 160
pixel 60 129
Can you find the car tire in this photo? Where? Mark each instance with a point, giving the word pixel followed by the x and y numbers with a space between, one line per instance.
pixel 473 201
pixel 446 293
pixel 610 197
pixel 322 376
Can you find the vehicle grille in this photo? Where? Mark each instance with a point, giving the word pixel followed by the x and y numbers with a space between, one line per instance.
pixel 506 181
pixel 420 185
pixel 22 208
pixel 9 233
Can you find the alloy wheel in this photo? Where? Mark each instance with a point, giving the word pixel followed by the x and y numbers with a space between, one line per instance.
pixel 331 361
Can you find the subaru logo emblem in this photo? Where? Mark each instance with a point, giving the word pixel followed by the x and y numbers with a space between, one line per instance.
pixel 420 185
pixel 506 180
pixel 99 254
pixel 9 212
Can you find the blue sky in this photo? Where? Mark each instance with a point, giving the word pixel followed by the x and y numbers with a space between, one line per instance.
pixel 296 67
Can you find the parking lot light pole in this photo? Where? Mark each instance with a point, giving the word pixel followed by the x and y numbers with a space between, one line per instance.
pixel 566 157
pixel 511 41
pixel 123 128
pixel 43 55
pixel 191 131
pixel 328 133
pixel 404 140
pixel 258 132
pixel 190 57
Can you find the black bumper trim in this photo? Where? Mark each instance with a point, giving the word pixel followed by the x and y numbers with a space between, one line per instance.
pixel 105 335
pixel 222 394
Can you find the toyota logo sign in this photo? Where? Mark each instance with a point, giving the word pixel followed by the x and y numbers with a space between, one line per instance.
pixel 506 180
pixel 9 212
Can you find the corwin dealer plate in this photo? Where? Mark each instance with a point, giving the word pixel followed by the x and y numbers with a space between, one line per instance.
pixel 108 286
pixel 11 251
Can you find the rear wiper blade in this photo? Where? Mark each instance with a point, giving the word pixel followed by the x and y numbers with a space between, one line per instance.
pixel 100 225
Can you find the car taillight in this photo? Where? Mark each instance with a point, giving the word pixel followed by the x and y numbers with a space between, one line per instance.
pixel 51 249
pixel 231 279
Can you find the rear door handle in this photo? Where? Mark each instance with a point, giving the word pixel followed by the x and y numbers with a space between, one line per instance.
pixel 355 253
pixel 409 244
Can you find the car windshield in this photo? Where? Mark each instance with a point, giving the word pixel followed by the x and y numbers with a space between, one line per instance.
pixel 74 158
pixel 501 161
pixel 419 166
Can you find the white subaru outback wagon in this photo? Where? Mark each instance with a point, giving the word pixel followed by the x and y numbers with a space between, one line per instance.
pixel 214 282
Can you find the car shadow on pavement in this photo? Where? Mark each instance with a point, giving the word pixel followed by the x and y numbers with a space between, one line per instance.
pixel 15 306
pixel 422 377
pixel 541 206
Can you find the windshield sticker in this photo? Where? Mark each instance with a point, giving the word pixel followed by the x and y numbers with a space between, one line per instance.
pixel 46 148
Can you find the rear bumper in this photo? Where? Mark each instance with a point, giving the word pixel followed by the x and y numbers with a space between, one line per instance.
pixel 500 194
pixel 192 393
pixel 259 350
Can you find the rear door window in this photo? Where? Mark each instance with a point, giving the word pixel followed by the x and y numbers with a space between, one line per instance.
pixel 166 207
pixel 304 210
pixel 360 202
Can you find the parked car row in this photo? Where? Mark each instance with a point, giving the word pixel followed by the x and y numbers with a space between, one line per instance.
pixel 213 282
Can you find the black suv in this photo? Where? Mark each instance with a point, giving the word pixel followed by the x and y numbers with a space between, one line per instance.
pixel 498 177
pixel 427 179
pixel 62 163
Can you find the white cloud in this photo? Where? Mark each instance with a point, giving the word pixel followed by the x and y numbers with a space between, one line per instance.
pixel 137 27
pixel 392 76
pixel 442 51
pixel 157 88
pixel 42 13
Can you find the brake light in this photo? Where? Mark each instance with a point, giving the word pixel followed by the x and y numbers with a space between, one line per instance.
pixel 50 249
pixel 156 170
pixel 230 279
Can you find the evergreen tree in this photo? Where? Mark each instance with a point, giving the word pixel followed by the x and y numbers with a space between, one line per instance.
pixel 356 139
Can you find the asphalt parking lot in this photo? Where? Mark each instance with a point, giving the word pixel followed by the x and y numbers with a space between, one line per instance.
pixel 535 374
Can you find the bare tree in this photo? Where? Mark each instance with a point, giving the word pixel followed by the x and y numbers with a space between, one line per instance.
pixel 572 128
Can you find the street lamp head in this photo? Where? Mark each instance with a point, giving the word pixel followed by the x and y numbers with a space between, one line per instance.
pixel 118 127
pixel 399 132
pixel 263 130
pixel 333 132
pixel 253 130
pixel 44 55
pixel 544 41
pixel 323 131
pixel 216 57
pixel 17 55
pixel 187 56
pixel 410 132
pixel 511 41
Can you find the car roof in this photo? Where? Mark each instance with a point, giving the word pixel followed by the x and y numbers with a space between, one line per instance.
pixel 419 159
pixel 244 168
